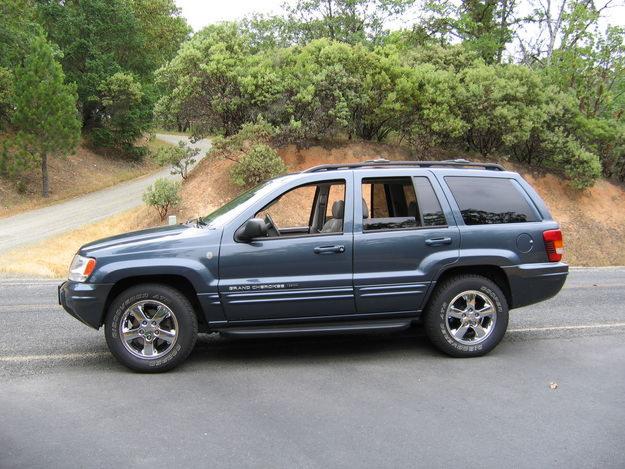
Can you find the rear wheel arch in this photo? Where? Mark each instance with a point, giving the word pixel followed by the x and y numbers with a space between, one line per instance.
pixel 492 272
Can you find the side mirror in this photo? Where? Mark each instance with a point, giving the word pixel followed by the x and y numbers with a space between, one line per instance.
pixel 253 228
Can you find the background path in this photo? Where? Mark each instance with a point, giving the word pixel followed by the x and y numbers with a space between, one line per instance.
pixel 35 225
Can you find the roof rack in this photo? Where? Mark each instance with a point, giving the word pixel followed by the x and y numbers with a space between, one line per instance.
pixel 381 162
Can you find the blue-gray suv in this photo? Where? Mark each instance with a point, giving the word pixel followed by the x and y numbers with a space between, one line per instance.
pixel 373 246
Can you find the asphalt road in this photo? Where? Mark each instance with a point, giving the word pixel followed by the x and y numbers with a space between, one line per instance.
pixel 346 401
pixel 35 225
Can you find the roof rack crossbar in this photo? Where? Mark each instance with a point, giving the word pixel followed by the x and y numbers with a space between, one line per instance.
pixel 379 163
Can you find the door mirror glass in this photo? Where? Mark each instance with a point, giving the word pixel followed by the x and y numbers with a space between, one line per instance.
pixel 253 228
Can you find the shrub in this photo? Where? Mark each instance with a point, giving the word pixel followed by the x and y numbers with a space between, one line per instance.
pixel 427 106
pixel 180 158
pixel 260 163
pixel 162 195
pixel 582 167
pixel 259 131
pixel 502 105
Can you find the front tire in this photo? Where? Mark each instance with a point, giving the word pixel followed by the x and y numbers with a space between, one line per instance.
pixel 467 316
pixel 151 328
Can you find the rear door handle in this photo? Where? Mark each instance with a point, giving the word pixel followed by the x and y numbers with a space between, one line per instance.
pixel 329 249
pixel 437 241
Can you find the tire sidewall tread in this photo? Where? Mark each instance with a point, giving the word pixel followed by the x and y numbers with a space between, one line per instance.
pixel 185 315
pixel 435 315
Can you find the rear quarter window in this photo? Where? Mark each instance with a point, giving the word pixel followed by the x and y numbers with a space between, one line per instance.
pixel 486 200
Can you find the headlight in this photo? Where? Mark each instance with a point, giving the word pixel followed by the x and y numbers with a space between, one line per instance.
pixel 80 268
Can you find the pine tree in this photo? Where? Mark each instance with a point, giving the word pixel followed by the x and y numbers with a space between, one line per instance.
pixel 45 108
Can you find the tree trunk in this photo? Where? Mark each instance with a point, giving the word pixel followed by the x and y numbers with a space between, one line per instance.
pixel 45 187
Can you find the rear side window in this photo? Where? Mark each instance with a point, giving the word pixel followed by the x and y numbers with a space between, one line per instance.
pixel 485 201
pixel 389 204
pixel 431 212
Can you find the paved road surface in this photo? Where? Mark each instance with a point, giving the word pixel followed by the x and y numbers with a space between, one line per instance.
pixel 35 225
pixel 345 401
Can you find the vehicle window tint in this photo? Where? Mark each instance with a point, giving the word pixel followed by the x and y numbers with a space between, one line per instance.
pixel 391 204
pixel 430 207
pixel 485 201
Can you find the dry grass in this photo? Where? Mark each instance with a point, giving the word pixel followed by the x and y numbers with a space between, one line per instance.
pixel 51 257
pixel 75 175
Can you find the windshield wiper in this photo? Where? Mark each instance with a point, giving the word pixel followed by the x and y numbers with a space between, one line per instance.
pixel 197 221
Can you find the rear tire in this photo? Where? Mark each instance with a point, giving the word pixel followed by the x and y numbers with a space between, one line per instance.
pixel 467 316
pixel 151 328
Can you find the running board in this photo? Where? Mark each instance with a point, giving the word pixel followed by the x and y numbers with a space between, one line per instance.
pixel 317 329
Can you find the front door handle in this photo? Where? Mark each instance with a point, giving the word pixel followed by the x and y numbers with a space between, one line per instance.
pixel 437 241
pixel 329 249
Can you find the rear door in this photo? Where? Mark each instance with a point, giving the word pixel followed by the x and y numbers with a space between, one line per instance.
pixel 404 233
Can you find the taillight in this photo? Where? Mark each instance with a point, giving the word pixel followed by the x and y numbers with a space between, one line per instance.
pixel 554 245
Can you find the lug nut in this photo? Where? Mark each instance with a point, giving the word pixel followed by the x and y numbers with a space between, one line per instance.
pixel 141 331
pixel 154 323
pixel 155 332
pixel 145 323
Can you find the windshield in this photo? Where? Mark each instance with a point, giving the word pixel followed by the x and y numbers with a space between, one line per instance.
pixel 230 210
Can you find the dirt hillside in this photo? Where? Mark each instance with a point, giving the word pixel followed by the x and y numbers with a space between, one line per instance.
pixel 593 221
pixel 77 174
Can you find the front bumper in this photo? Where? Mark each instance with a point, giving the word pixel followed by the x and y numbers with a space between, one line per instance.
pixel 531 283
pixel 85 301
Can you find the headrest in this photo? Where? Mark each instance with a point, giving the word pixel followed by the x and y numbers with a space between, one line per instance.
pixel 338 208
pixel 365 209
pixel 412 209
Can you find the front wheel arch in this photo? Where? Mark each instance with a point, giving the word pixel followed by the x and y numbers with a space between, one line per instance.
pixel 177 282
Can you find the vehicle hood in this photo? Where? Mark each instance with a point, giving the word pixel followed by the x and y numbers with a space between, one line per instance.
pixel 139 240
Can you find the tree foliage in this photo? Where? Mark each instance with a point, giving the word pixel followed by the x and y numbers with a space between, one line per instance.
pixel 45 108
pixel 122 114
pixel 542 82
pixel 181 158
pixel 101 39
pixel 348 21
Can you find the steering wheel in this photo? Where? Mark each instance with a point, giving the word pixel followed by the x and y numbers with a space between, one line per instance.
pixel 272 229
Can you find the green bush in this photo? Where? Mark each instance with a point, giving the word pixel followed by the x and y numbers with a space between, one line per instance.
pixel 162 195
pixel 606 138
pixel 260 163
pixel 259 131
pixel 501 105
pixel 427 106
pixel 582 167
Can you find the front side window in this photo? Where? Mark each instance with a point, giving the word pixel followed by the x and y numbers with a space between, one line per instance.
pixel 485 201
pixel 308 209
pixel 291 210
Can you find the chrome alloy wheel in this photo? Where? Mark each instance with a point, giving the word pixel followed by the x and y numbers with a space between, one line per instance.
pixel 471 317
pixel 148 329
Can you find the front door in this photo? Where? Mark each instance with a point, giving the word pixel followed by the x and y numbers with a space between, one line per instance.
pixel 401 240
pixel 303 268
